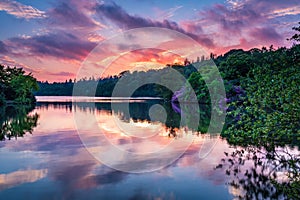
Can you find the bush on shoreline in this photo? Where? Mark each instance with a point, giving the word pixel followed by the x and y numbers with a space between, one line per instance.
pixel 16 86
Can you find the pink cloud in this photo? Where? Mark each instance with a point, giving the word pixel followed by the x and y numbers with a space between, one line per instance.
pixel 7 61
pixel 20 10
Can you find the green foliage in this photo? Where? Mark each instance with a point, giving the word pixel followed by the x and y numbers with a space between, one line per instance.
pixel 271 107
pixel 206 85
pixel 263 117
pixel 200 88
pixel 15 86
pixel 236 65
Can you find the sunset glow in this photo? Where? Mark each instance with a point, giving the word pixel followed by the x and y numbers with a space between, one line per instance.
pixel 51 39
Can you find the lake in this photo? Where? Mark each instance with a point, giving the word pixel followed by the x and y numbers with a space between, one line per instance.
pixel 68 157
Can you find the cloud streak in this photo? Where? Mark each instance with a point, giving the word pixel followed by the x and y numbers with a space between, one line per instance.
pixel 65 74
pixel 168 13
pixel 21 11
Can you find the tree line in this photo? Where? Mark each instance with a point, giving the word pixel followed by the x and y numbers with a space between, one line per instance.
pixel 105 86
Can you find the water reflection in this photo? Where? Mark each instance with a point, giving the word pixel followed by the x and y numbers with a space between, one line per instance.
pixel 138 112
pixel 19 177
pixel 54 164
pixel 131 141
pixel 263 173
pixel 15 121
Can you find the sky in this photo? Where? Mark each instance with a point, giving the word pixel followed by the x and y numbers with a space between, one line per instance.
pixel 52 38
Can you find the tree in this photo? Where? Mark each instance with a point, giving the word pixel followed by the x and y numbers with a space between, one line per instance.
pixel 16 86
pixel 24 85
pixel 296 36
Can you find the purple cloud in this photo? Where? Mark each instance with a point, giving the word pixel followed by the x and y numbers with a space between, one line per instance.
pixel 68 26
pixel 252 23
pixel 72 14
pixel 3 48
pixel 244 14
pixel 62 74
pixel 191 26
pixel 121 18
pixel 232 20
pixel 266 34
pixel 61 45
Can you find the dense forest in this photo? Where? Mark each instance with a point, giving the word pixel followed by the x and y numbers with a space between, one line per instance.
pixel 105 86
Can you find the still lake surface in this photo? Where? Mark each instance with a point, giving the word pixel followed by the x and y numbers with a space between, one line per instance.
pixel 54 163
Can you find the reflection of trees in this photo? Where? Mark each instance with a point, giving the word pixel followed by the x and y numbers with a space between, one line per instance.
pixel 139 111
pixel 15 121
pixel 172 132
pixel 261 173
pixel 174 118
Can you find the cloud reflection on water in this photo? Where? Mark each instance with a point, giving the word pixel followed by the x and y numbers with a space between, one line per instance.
pixel 65 160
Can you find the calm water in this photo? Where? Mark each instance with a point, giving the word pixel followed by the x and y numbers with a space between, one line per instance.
pixel 53 163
